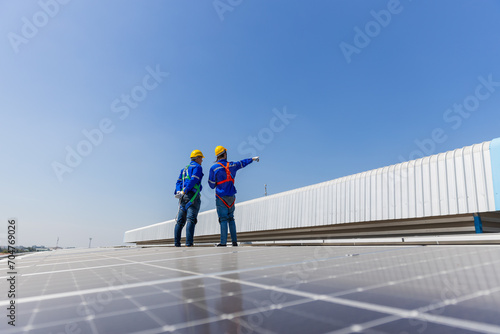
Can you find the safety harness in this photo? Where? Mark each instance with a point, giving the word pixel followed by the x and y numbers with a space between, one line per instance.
pixel 229 178
pixel 185 175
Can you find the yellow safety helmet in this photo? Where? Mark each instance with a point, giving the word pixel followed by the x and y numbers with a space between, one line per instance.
pixel 219 150
pixel 196 154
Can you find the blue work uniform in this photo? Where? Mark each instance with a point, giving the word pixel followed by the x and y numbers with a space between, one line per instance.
pixel 189 181
pixel 194 173
pixel 218 174
pixel 223 182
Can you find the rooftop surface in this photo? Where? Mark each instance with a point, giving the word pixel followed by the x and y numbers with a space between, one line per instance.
pixel 300 289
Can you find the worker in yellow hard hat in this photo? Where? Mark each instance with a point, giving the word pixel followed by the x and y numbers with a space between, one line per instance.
pixel 187 190
pixel 221 178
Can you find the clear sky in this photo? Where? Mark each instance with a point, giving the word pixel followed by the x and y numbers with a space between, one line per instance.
pixel 102 101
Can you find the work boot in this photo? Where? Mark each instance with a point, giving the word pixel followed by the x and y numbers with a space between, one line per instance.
pixel 220 245
pixel 235 244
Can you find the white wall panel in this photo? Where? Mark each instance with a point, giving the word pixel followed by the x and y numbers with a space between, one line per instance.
pixel 398 196
pixel 442 181
pixel 434 184
pixel 391 192
pixel 361 197
pixel 455 182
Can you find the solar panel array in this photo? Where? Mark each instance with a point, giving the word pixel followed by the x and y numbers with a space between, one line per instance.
pixel 321 289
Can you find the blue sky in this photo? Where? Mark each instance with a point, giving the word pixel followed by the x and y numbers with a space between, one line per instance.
pixel 159 79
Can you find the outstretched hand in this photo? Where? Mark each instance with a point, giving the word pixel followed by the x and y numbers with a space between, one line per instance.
pixel 256 159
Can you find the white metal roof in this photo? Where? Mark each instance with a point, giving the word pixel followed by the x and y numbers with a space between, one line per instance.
pixel 456 182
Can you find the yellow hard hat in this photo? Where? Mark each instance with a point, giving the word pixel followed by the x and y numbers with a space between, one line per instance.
pixel 196 153
pixel 219 150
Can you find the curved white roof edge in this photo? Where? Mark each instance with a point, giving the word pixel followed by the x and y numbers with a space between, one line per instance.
pixel 465 180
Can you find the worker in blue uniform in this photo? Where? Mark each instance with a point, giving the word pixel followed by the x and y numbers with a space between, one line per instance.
pixel 187 190
pixel 221 177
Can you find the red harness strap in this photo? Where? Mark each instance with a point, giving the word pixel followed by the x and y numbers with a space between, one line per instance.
pixel 229 178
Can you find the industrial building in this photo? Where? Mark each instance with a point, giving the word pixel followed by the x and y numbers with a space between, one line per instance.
pixel 456 192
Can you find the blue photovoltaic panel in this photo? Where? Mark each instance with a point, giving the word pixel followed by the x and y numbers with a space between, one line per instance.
pixel 303 289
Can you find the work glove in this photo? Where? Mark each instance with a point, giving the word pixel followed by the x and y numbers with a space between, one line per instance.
pixel 255 159
pixel 179 194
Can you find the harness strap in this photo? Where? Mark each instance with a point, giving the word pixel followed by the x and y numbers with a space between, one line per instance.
pixel 229 177
pixel 223 201
pixel 185 175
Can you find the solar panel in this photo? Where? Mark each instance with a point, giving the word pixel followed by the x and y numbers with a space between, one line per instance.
pixel 300 289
